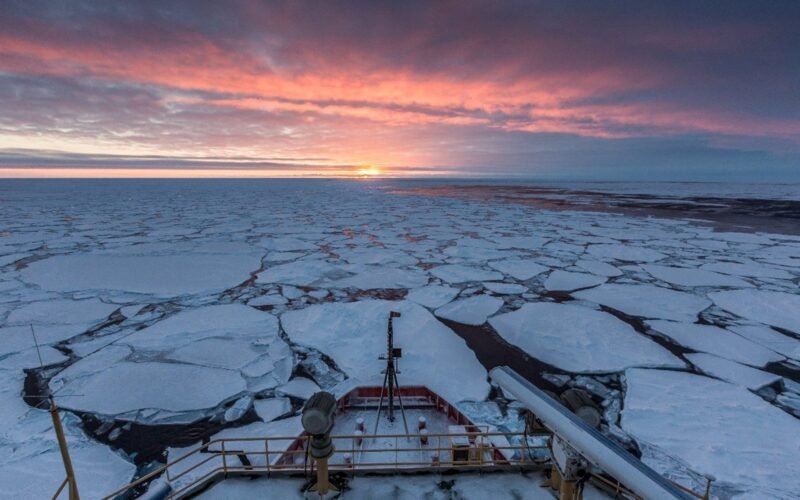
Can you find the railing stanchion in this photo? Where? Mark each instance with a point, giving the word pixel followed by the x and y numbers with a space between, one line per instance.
pixel 266 454
pixel 224 459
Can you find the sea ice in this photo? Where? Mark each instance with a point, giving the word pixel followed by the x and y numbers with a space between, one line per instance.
pixel 731 371
pixel 599 268
pixel 304 272
pixel 568 281
pixel 457 273
pixel 647 301
pixel 769 338
pixel 683 276
pixel 472 310
pixel 52 320
pixel 299 387
pixel 716 428
pixel 354 335
pixel 521 269
pixel 578 339
pixel 33 468
pixel 715 340
pixel 229 321
pixel 216 352
pixel 505 288
pixel 625 253
pixel 159 275
pixel 126 387
pixel 432 295
pixel 768 307
pixel 752 270
pixel 272 408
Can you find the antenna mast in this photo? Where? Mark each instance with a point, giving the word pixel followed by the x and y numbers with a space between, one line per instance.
pixel 390 382
pixel 69 481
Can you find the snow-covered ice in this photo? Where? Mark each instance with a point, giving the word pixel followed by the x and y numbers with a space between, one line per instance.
pixel 520 269
pixel 433 295
pixel 354 334
pixel 472 310
pixel 647 301
pixel 127 387
pixel 684 276
pixel 715 340
pixel 731 371
pixel 186 265
pixel 625 253
pixel 159 275
pixel 716 428
pixel 457 273
pixel 771 308
pixel 579 339
pixel 505 288
pixel 567 281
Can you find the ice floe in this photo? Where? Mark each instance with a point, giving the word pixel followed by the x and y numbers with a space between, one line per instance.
pixel 771 308
pixel 568 281
pixel 472 310
pixel 354 335
pixel 625 253
pixel 647 301
pixel 433 295
pixel 716 428
pixel 457 273
pixel 159 275
pixel 126 387
pixel 35 469
pixel 769 338
pixel 684 276
pixel 731 371
pixel 579 339
pixel 599 268
pixel 521 269
pixel 715 340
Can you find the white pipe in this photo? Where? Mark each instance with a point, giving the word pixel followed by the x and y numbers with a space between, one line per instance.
pixel 592 445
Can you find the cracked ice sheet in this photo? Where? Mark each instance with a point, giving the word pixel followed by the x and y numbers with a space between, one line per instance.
pixel 470 311
pixel 647 301
pixel 716 428
pixel 771 308
pixel 732 372
pixel 126 387
pixel 521 269
pixel 767 337
pixel 354 335
pixel 458 273
pixel 684 276
pixel 715 340
pixel 568 281
pixel 578 339
pixel 222 350
pixel 158 275
pixel 625 253
pixel 31 466
pixel 433 295
pixel 52 320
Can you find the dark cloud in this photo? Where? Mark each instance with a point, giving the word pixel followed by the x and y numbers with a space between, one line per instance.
pixel 493 85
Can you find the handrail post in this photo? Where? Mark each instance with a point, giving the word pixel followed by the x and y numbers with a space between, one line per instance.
pixel 224 459
pixel 266 454
pixel 72 485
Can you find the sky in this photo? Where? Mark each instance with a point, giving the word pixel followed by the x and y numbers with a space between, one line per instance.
pixel 616 90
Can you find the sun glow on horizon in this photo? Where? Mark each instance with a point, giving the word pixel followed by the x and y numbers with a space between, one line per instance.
pixel 369 171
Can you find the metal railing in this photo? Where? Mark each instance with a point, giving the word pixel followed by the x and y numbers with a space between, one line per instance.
pixel 274 455
pixel 287 456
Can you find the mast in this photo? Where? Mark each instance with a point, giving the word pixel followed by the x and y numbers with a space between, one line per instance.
pixel 390 382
